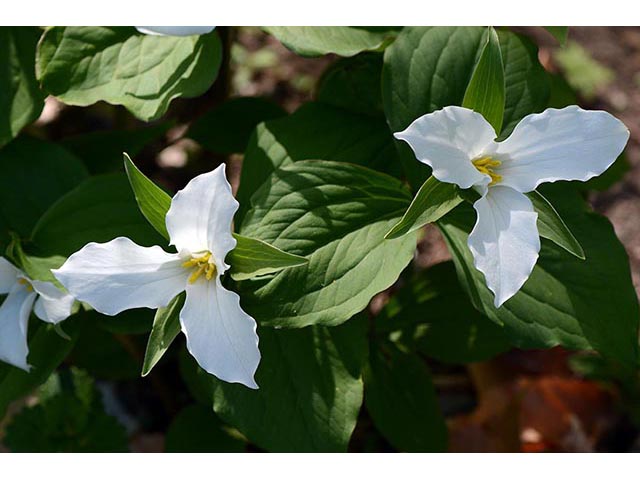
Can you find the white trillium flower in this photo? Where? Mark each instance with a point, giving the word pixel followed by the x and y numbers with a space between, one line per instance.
pixel 120 275
pixel 459 145
pixel 175 31
pixel 24 295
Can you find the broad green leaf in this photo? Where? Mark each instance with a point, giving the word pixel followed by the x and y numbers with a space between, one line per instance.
pixel 227 128
pixel 353 84
pixel 485 93
pixel 527 84
pixel 310 389
pixel 102 151
pixel 46 351
pixel 153 202
pixel 33 175
pixel 69 417
pixel 21 99
pixel 402 402
pixel 84 65
pixel 434 200
pixel 432 315
pixel 428 68
pixel 106 355
pixel 335 214
pixel 609 178
pixel 196 429
pixel 559 33
pixel 314 131
pixel 166 327
pixel 98 210
pixel 552 227
pixel 580 304
pixel 251 258
pixel 343 41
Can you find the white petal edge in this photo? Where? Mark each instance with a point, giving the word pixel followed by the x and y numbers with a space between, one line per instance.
pixel 504 241
pixel 201 216
pixel 220 335
pixel 14 321
pixel 448 140
pixel 8 275
pixel 175 31
pixel 560 144
pixel 120 275
pixel 53 305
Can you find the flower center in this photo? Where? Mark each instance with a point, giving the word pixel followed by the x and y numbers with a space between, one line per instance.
pixel 23 281
pixel 486 165
pixel 201 264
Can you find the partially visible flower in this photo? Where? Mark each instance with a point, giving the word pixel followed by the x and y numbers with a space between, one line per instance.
pixel 459 145
pixel 44 298
pixel 120 275
pixel 175 31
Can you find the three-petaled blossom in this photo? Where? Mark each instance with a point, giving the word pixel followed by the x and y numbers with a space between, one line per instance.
pixel 460 147
pixel 175 31
pixel 24 294
pixel 120 275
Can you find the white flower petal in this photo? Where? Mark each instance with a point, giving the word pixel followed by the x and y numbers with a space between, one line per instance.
pixel 53 305
pixel 201 215
pixel 119 275
pixel 220 335
pixel 8 275
pixel 504 241
pixel 565 144
pixel 175 31
pixel 14 321
pixel 448 140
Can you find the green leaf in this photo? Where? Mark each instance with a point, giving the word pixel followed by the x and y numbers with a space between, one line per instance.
pixel 614 174
pixel 559 33
pixel 98 210
pixel 196 429
pixel 227 128
pixel 434 200
pixel 21 100
pixel 33 175
pixel 428 68
pixel 402 402
pixel 552 227
pixel 432 315
pixel 527 84
pixel 580 304
pixel 485 93
pixel 336 215
pixel 314 131
pixel 84 65
pixel 46 351
pixel 102 151
pixel 310 389
pixel 72 419
pixel 106 355
pixel 153 202
pixel 354 84
pixel 253 257
pixel 166 327
pixel 343 41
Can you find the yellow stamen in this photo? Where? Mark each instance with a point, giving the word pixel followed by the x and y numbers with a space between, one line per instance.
pixel 203 265
pixel 22 281
pixel 486 165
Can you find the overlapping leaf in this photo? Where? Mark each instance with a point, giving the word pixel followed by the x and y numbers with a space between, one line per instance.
pixel 84 65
